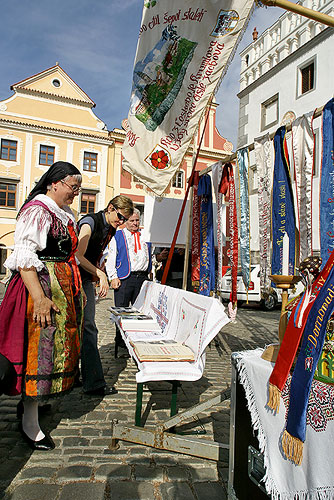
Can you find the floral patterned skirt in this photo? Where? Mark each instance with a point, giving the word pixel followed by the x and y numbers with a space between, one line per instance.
pixel 52 353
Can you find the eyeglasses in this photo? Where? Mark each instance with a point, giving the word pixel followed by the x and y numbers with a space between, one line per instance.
pixel 120 216
pixel 75 189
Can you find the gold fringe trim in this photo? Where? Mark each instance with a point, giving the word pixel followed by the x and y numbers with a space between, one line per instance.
pixel 292 448
pixel 274 398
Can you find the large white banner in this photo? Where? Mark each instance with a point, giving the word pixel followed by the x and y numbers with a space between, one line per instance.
pixel 183 51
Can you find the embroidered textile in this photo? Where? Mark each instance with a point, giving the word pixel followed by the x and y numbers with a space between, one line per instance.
pixel 183 51
pixel 52 353
pixel 233 220
pixel 216 180
pixel 245 259
pixel 327 183
pixel 264 163
pixel 56 347
pixel 314 479
pixel 303 152
pixel 188 317
pixel 320 408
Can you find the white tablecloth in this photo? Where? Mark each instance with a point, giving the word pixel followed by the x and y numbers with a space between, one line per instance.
pixel 314 479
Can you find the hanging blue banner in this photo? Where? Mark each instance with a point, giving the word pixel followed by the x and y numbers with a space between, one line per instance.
pixel 327 183
pixel 207 252
pixel 243 165
pixel 282 212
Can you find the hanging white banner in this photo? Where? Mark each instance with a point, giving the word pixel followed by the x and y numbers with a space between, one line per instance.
pixel 183 51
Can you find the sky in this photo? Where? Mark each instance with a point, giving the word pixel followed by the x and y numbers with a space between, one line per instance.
pixel 95 41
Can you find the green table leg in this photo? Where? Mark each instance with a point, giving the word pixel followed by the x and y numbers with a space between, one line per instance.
pixel 139 403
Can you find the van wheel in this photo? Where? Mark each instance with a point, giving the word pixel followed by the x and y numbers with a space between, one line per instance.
pixel 269 302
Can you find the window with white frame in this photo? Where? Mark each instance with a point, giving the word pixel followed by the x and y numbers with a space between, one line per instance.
pixel 178 179
pixel 8 150
pixel 90 161
pixel 46 155
pixel 87 203
pixel 8 194
pixel 269 112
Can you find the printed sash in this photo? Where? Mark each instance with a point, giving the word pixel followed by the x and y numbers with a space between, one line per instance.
pixel 233 235
pixel 327 183
pixel 283 214
pixel 303 151
pixel 323 282
pixel 264 162
pixel 207 255
pixel 216 179
pixel 195 244
pixel 245 258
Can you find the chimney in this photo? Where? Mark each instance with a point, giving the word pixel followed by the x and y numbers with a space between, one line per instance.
pixel 255 34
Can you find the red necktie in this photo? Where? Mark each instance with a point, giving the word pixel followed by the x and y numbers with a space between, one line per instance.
pixel 136 235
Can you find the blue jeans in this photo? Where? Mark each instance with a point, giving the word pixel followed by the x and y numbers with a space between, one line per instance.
pixel 91 366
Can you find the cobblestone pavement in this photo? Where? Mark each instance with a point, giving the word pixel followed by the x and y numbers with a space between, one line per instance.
pixel 83 467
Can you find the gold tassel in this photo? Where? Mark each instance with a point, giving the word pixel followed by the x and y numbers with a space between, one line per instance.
pixel 292 448
pixel 274 398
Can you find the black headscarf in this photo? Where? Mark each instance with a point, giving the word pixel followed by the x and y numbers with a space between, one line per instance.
pixel 56 172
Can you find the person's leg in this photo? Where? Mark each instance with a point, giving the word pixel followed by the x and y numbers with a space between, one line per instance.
pixel 122 297
pixel 91 366
pixel 30 423
pixel 136 286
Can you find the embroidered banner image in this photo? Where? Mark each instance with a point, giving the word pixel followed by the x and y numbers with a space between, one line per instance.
pixel 183 51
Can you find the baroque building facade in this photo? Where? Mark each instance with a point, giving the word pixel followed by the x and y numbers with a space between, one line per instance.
pixel 50 118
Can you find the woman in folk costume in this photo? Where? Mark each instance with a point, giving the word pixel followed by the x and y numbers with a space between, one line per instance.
pixel 41 313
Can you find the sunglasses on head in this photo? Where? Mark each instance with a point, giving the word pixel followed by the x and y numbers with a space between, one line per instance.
pixel 120 216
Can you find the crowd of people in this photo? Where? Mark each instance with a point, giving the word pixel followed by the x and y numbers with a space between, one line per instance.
pixel 48 334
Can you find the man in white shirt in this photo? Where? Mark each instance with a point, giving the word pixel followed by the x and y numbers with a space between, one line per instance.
pixel 128 264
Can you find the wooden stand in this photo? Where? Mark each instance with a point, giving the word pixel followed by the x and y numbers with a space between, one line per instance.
pixel 284 283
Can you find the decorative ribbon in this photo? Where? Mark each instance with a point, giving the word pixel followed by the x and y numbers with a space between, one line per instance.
pixel 216 179
pixel 264 163
pixel 327 183
pixel 321 303
pixel 196 243
pixel 136 235
pixel 245 258
pixel 303 152
pixel 283 214
pixel 207 255
pixel 233 223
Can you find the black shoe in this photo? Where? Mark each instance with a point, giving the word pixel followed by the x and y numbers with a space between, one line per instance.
pixel 44 444
pixel 41 409
pixel 102 391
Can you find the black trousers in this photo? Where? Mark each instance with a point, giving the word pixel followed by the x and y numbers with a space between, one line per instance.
pixel 127 293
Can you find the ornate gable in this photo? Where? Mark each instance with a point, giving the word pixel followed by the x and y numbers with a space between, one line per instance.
pixel 53 83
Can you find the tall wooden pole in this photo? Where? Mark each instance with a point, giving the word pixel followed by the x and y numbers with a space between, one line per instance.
pixel 299 9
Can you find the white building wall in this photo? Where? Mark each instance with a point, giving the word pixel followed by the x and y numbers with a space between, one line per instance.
pixel 273 66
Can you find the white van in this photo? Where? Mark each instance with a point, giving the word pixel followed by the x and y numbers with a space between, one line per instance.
pixel 268 301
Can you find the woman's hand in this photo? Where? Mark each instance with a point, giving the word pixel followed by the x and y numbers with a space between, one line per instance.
pixel 104 284
pixel 42 311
